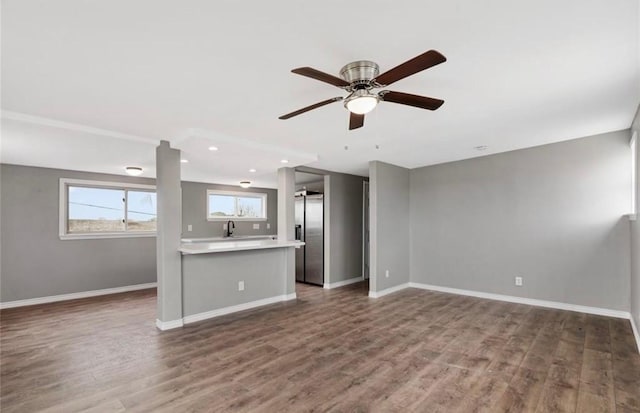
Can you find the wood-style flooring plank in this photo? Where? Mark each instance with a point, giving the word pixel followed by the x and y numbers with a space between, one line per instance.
pixel 329 350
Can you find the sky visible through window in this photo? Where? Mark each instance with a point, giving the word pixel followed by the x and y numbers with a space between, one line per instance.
pixel 222 205
pixel 225 206
pixel 107 204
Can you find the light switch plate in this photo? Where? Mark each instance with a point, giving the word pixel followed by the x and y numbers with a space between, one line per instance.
pixel 256 226
pixel 189 227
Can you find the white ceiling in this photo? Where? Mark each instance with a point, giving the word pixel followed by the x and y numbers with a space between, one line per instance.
pixel 94 86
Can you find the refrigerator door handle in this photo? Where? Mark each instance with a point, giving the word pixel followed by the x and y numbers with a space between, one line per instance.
pixel 298 232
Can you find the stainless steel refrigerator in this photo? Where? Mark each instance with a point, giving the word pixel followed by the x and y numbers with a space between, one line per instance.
pixel 310 229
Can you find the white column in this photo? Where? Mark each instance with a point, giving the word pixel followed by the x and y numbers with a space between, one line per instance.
pixel 286 203
pixel 286 222
pixel 168 258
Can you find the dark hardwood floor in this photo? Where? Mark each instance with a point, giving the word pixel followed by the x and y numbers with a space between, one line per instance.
pixel 330 350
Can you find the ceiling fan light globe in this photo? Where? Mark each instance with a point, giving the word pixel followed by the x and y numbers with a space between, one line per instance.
pixel 361 104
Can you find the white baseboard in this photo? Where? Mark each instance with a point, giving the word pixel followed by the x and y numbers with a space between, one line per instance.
pixel 75 296
pixel 378 294
pixel 636 331
pixel 328 286
pixel 235 308
pixel 168 325
pixel 529 301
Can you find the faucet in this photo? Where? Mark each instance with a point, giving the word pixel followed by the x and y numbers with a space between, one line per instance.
pixel 230 227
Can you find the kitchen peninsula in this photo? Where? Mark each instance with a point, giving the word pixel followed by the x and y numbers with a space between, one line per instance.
pixel 226 276
pixel 208 277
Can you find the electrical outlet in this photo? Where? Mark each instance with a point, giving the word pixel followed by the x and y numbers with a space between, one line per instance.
pixel 189 227
pixel 240 285
pixel 256 226
pixel 224 227
pixel 386 274
pixel 268 226
pixel 519 281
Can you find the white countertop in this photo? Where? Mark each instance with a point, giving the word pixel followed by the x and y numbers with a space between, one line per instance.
pixel 226 246
pixel 232 238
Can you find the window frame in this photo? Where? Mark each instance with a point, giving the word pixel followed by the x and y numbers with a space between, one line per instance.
pixel 63 212
pixel 241 194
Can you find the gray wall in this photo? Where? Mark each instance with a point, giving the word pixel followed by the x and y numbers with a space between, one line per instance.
pixel 553 214
pixel 343 226
pixel 210 281
pixel 194 212
pixel 389 225
pixel 36 263
pixel 312 186
pixel 635 238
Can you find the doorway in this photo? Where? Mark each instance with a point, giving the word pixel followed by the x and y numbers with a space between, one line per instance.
pixel 365 230
pixel 310 228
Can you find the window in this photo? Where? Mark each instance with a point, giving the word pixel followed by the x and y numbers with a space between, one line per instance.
pixel 94 209
pixel 634 173
pixel 224 205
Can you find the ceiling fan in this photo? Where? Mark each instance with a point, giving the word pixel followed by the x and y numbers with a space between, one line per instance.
pixel 361 77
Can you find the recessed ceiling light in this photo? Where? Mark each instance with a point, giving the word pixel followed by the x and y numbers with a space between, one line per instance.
pixel 213 148
pixel 284 161
pixel 184 160
pixel 481 148
pixel 252 170
pixel 133 170
pixel 245 184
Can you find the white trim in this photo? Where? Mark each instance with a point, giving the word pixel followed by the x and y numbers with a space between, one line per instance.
pixel 378 294
pixel 106 184
pixel 107 235
pixel 329 286
pixel 636 331
pixel 528 301
pixel 63 213
pixel 168 325
pixel 22 117
pixel 75 296
pixel 633 142
pixel 238 194
pixel 235 308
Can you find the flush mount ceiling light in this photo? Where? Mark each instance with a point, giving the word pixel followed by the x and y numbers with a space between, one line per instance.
pixel 184 160
pixel 284 161
pixel 361 101
pixel 133 170
pixel 245 184
pixel 252 170
pixel 213 148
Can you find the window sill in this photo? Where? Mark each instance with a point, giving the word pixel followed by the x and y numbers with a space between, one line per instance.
pixel 225 219
pixel 67 237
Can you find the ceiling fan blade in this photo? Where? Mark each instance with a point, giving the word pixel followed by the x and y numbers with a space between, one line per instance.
pixel 355 121
pixel 410 67
pixel 308 108
pixel 321 76
pixel 422 102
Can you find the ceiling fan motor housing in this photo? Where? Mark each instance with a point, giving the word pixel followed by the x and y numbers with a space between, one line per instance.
pixel 360 73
